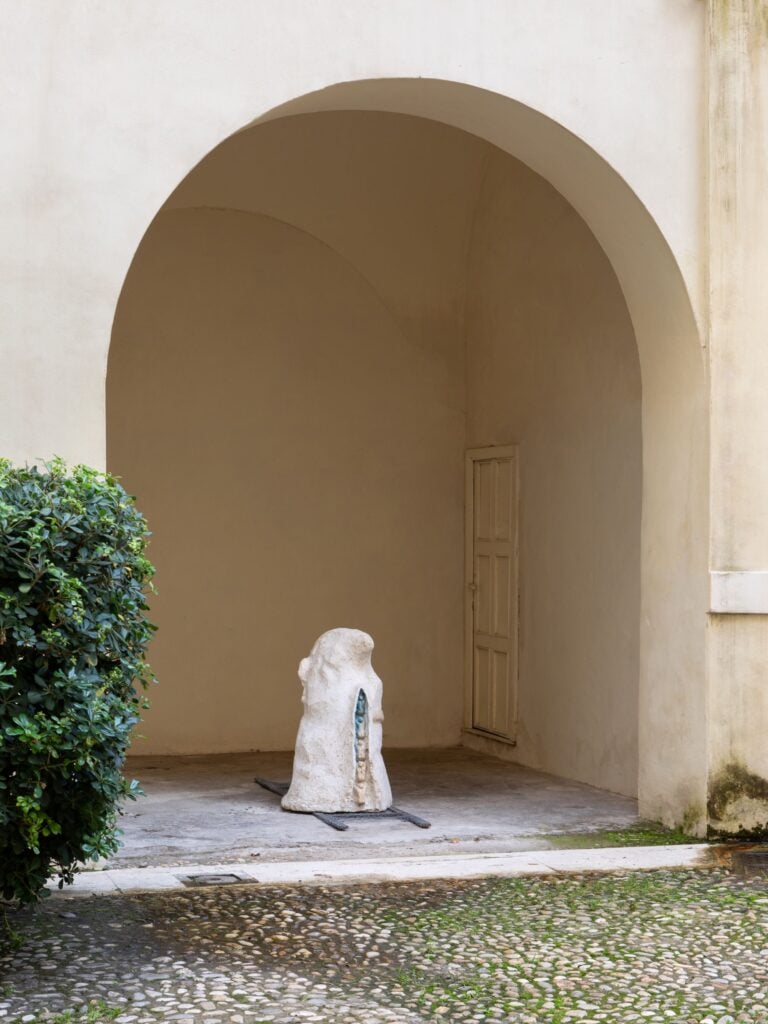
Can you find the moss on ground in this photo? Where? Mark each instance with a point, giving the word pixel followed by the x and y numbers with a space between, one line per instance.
pixel 642 834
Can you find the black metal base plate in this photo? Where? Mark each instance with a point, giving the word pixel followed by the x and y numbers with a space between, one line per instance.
pixel 339 819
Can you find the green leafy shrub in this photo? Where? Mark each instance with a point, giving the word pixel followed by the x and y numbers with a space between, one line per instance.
pixel 73 635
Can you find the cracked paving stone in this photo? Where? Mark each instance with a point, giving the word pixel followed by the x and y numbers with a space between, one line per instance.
pixel 651 948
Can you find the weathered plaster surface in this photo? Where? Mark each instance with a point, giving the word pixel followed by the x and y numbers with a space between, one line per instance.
pixel 108 106
pixel 738 320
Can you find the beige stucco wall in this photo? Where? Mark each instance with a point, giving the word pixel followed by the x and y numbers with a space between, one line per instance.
pixel 553 365
pixel 286 398
pixel 108 107
pixel 738 706
pixel 738 337
pixel 317 353
pixel 297 460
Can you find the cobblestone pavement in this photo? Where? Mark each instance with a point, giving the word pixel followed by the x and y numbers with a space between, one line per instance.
pixel 663 946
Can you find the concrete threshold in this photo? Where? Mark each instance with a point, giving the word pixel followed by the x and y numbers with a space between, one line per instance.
pixel 400 869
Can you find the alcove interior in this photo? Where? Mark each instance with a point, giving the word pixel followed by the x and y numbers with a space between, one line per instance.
pixel 327 312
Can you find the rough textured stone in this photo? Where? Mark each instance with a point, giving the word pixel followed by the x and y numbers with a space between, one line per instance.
pixel 338 765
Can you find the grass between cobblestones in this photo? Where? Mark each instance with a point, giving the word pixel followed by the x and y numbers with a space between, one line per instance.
pixel 674 947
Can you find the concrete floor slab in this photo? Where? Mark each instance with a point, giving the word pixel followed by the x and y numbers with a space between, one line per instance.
pixel 207 809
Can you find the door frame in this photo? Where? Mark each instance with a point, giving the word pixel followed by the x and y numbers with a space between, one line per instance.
pixel 471 456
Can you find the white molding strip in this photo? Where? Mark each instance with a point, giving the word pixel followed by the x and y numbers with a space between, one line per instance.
pixel 738 593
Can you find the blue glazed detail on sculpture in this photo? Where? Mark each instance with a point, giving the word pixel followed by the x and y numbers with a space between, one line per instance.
pixel 361 723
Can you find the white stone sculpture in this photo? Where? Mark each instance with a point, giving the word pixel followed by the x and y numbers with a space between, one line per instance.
pixel 338 765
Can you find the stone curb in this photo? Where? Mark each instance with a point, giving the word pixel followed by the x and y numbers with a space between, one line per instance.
pixel 402 869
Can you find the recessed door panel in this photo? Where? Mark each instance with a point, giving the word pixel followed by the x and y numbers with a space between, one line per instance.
pixel 483 694
pixel 484 608
pixel 502 588
pixel 493 539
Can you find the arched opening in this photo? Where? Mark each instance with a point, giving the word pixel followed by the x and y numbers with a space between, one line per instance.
pixel 327 313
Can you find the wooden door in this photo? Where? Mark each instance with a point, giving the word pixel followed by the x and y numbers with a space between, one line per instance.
pixel 492 586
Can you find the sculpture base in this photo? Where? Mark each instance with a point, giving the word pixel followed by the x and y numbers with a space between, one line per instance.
pixel 340 819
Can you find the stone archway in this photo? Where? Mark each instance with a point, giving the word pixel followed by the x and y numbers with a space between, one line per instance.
pixel 672 576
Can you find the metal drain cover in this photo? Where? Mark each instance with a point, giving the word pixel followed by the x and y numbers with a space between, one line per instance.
pixel 751 862
pixel 213 879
